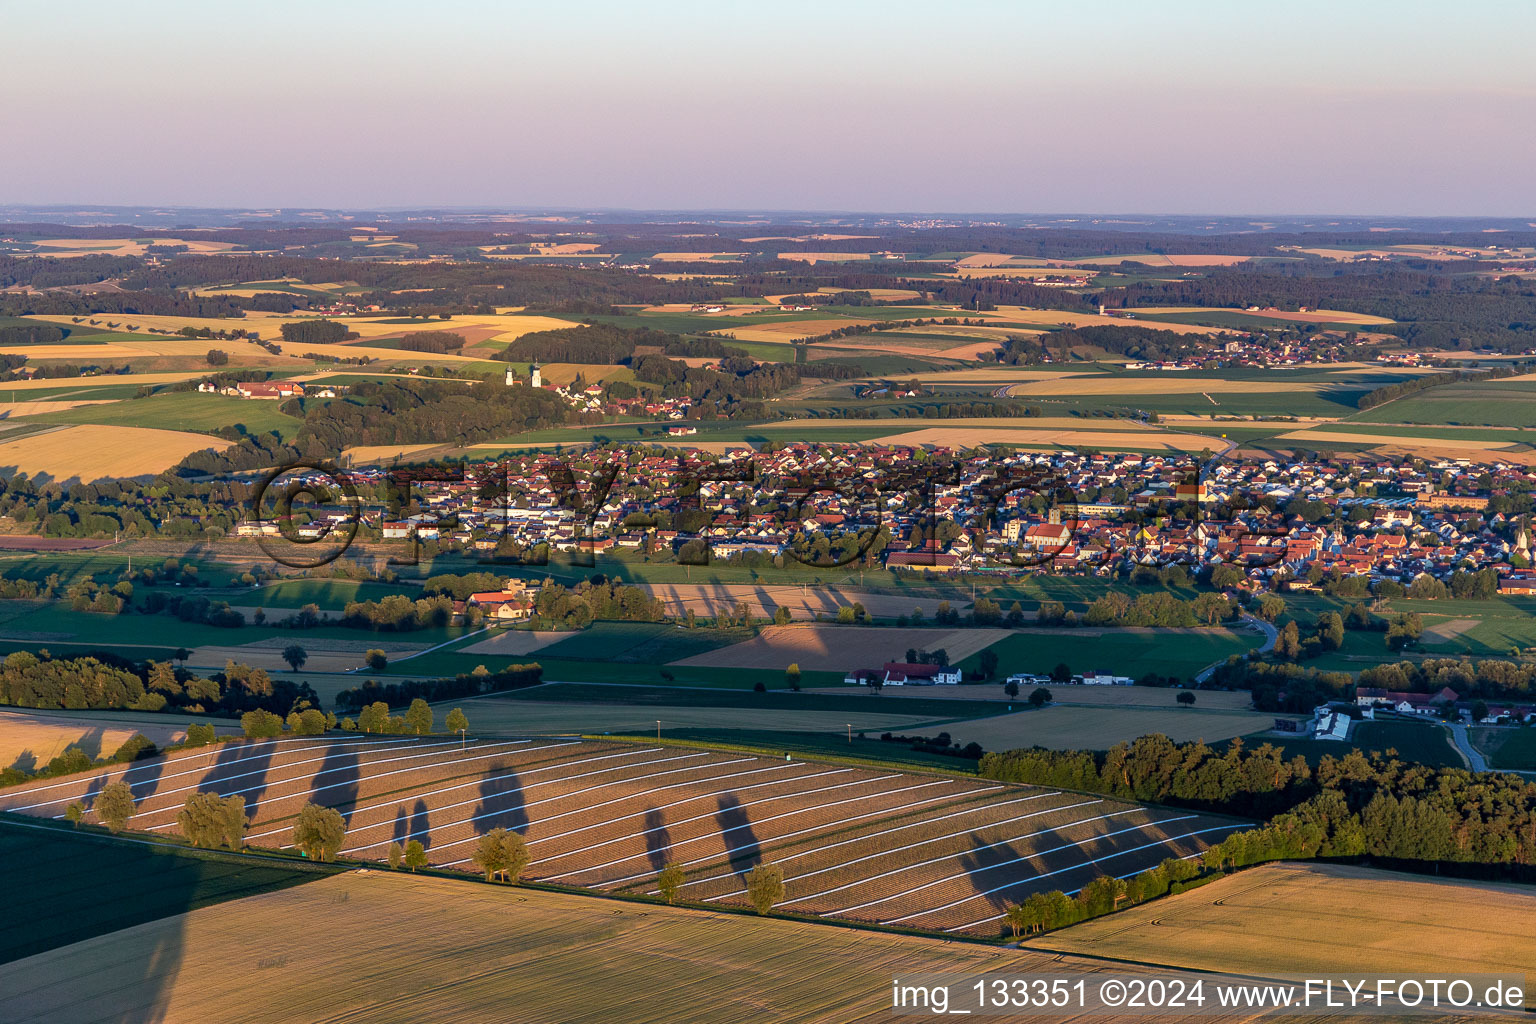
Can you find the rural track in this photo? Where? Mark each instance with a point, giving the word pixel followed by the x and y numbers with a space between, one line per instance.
pixel 1271 634
pixel 1469 753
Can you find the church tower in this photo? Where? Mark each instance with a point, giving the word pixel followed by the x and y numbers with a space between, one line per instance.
pixel 511 377
pixel 535 378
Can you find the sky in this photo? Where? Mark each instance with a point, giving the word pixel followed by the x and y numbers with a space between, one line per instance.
pixel 1013 106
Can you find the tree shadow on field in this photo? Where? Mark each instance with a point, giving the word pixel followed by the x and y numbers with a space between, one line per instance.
pixel 501 803
pixel 242 768
pixel 420 825
pixel 658 841
pixel 742 849
pixel 402 830
pixel 338 780
pixel 90 741
pixel 989 868
pixel 144 777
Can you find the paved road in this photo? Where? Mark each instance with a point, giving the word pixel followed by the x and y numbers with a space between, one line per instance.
pixel 1474 760
pixel 1271 634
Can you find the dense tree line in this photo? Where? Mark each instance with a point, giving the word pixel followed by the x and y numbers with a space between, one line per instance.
pixel 315 332
pixel 1159 609
pixel 1282 686
pixel 398 613
pixel 467 684
pixel 1144 343
pixel 42 272
pixel 1409 814
pixel 1388 392
pixel 602 343
pixel 29 681
pixel 1489 678
pixel 30 333
pixel 403 412
pixel 436 287
pixel 1433 307
pixel 62 303
pixel 579 606
pixel 460 586
pixel 104 681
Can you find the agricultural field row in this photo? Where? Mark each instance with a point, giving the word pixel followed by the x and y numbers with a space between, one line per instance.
pixel 931 851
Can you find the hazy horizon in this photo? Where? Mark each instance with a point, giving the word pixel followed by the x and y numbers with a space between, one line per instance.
pixel 1381 109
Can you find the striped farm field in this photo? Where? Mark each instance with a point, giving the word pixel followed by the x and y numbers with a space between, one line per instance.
pixel 927 851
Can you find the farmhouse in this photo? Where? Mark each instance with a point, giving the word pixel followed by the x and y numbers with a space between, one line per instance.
pixel 900 673
pixel 1406 703
pixel 1099 677
pixel 269 389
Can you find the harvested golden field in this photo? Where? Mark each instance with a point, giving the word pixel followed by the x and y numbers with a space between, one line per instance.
pixel 32 739
pixel 11 410
pixel 765 599
pixel 140 346
pixel 825 257
pixel 1058 317
pixel 351 350
pixel 882 294
pixel 1452 448
pixel 91 452
pixel 1113 440
pixel 123 246
pixel 10 388
pixel 515 327
pixel 1099 727
pixel 829 648
pixel 891 343
pixel 792 330
pixel 150 346
pixel 385 452
pixel 970 352
pixel 450 951
pixel 991 331
pixel 564 373
pixel 269 327
pixel 1298 918
pixel 997 259
pixel 566 248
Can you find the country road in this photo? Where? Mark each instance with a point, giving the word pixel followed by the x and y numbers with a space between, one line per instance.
pixel 1474 760
pixel 1271 634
